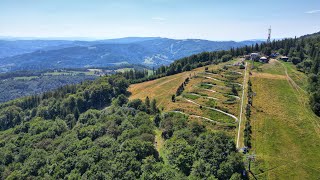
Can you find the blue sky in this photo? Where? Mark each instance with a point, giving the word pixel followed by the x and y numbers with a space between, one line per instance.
pixel 180 19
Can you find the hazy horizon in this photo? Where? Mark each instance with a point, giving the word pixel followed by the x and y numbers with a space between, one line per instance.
pixel 210 20
pixel 106 38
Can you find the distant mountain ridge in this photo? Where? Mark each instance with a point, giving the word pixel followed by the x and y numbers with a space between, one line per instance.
pixel 151 51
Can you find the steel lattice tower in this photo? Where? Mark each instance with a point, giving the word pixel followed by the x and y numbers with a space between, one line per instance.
pixel 269 35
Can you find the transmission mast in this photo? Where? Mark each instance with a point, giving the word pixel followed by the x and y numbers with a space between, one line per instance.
pixel 269 35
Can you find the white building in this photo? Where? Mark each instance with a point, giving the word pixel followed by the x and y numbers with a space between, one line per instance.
pixel 264 59
pixel 254 56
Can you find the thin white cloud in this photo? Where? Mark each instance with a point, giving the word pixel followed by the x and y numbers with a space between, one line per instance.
pixel 158 19
pixel 313 11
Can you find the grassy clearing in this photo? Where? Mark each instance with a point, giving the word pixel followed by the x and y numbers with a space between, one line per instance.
pixel 159 142
pixel 190 96
pixel 214 115
pixel 69 73
pixel 124 69
pixel 273 67
pixel 162 89
pixel 204 91
pixel 286 133
pixel 299 77
pixel 26 78
pixel 205 86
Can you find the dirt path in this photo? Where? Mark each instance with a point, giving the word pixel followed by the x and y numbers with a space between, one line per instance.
pixel 218 110
pixel 303 101
pixel 165 82
pixel 196 116
pixel 204 96
pixel 222 87
pixel 213 91
pixel 212 78
pixel 220 80
pixel 241 106
pixel 290 79
pixel 283 156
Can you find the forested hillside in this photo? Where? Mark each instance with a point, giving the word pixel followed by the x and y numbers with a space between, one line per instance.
pixel 16 88
pixel 92 131
pixel 26 83
pixel 152 52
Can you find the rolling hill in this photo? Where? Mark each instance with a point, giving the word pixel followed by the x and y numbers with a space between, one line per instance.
pixel 37 55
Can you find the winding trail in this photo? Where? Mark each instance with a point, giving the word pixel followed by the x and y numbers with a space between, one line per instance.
pixel 222 87
pixel 210 90
pixel 213 91
pixel 237 84
pixel 237 72
pixel 290 79
pixel 237 97
pixel 210 73
pixel 201 117
pixel 207 77
pixel 204 96
pixel 218 110
pixel 212 78
pixel 241 106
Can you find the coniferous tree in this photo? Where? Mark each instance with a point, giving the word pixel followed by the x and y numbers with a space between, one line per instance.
pixel 173 98
pixel 153 106
pixel 147 102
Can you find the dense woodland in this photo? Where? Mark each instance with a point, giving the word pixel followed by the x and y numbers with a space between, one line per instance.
pixel 92 131
pixel 26 83
pixel 12 88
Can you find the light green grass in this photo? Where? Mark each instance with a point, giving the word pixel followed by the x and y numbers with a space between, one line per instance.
pixel 124 69
pixel 286 133
pixel 190 96
pixel 217 116
pixel 299 77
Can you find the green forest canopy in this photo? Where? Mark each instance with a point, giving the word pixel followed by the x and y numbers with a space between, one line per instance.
pixel 68 133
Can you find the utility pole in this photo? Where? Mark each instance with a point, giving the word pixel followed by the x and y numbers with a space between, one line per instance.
pixel 250 158
pixel 252 64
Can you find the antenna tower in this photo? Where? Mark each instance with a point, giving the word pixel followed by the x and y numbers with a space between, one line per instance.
pixel 269 35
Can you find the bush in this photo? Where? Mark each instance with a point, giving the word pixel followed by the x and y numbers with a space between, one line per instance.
pixel 295 60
